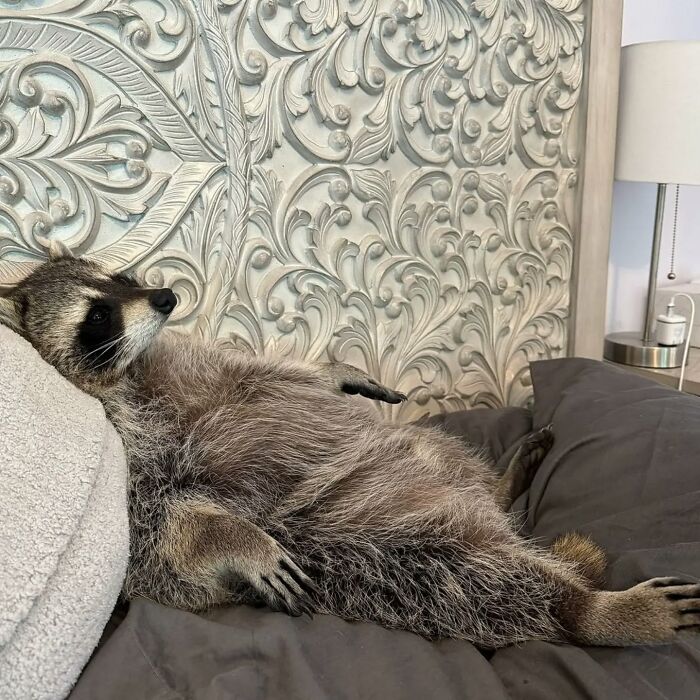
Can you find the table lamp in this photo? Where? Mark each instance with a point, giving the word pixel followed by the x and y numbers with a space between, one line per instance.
pixel 658 140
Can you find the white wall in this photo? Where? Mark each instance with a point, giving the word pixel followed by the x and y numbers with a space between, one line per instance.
pixel 633 203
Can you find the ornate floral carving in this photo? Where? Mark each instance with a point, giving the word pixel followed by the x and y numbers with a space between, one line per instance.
pixel 385 182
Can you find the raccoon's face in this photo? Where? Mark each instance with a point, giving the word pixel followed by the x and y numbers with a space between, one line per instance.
pixel 84 320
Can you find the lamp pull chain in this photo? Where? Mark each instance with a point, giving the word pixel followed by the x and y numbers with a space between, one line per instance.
pixel 672 271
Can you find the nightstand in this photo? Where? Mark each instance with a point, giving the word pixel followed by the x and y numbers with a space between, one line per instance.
pixel 691 383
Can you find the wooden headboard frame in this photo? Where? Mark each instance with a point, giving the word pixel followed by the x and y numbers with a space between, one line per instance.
pixel 590 280
pixel 420 188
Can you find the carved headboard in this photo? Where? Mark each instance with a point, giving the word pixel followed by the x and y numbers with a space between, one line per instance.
pixel 418 187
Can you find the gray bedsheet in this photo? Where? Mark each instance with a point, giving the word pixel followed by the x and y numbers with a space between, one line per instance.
pixel 624 469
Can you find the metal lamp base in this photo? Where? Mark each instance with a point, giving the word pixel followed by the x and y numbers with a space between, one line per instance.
pixel 629 349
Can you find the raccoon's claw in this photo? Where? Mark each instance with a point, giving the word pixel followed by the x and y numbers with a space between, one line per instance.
pixel 299 577
pixel 665 581
pixel 288 588
pixel 370 389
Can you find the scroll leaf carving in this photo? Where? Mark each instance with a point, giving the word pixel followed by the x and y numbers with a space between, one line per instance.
pixel 378 182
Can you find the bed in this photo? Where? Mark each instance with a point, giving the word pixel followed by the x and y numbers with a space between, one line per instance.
pixel 623 470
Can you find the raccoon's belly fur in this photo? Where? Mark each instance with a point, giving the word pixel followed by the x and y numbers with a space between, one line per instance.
pixel 395 524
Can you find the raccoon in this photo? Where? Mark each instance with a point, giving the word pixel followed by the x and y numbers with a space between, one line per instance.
pixel 256 480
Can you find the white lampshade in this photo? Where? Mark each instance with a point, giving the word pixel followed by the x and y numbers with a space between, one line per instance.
pixel 658 129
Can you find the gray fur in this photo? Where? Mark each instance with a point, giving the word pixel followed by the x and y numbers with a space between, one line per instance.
pixel 254 480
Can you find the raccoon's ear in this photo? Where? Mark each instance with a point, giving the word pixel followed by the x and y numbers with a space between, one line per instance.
pixel 58 250
pixel 8 314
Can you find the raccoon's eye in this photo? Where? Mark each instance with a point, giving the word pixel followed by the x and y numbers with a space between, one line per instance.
pixel 98 315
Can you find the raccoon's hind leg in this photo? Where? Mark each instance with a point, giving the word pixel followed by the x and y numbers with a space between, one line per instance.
pixel 540 589
pixel 493 596
pixel 351 380
pixel 208 546
pixel 523 465
pixel 652 612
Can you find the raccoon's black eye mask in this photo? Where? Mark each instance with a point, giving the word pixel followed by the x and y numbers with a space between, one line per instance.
pixel 99 336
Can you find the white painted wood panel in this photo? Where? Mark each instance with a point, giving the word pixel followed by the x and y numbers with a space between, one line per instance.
pixel 393 184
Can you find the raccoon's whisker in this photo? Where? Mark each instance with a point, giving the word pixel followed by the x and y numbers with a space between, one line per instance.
pixel 121 352
pixel 105 346
pixel 98 351
pixel 134 343
pixel 102 364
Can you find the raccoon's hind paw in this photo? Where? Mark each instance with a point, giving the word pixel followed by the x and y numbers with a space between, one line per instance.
pixel 284 585
pixel 652 612
pixel 535 447
pixel 667 606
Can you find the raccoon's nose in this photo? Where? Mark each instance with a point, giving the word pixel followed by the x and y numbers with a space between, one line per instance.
pixel 163 300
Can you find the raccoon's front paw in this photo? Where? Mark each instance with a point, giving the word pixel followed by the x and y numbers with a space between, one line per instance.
pixel 367 387
pixel 283 585
pixel 351 380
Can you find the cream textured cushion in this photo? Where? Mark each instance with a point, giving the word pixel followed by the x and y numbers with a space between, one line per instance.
pixel 64 537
